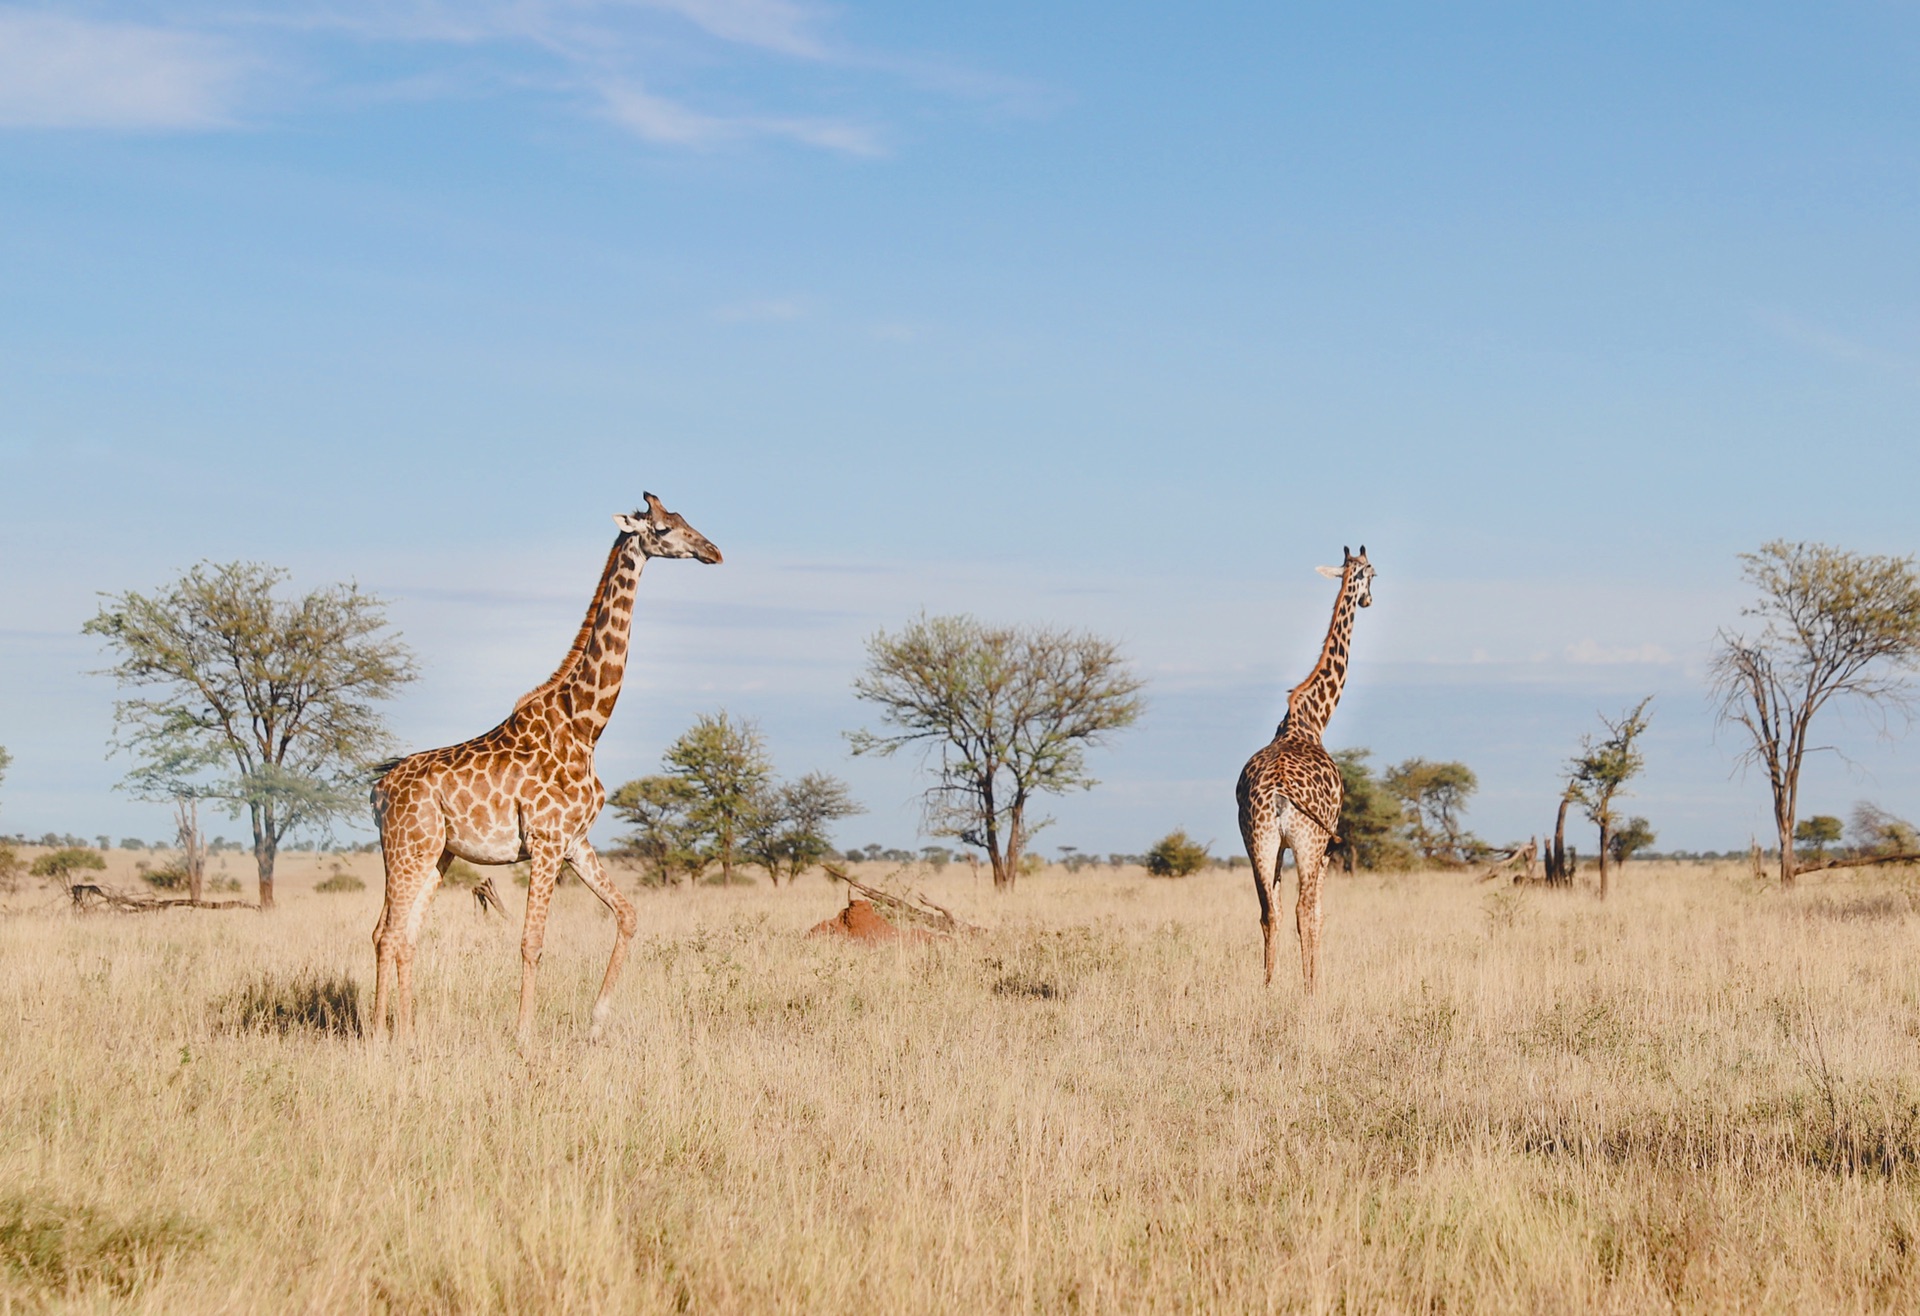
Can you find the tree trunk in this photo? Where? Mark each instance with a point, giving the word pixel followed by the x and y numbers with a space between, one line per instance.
pixel 265 848
pixel 1558 873
pixel 1002 873
pixel 1787 864
pixel 186 811
pixel 1606 835
pixel 1015 816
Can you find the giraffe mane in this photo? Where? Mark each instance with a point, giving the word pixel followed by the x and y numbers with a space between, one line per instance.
pixel 571 663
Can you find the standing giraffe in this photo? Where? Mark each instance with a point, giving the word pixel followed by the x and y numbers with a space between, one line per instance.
pixel 524 790
pixel 1289 792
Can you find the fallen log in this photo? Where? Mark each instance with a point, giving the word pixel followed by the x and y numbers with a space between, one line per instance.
pixel 90 896
pixel 1863 861
pixel 914 907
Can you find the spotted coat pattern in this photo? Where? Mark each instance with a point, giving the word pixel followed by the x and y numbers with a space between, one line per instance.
pixel 1289 793
pixel 525 790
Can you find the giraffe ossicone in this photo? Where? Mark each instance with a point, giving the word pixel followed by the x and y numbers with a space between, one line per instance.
pixel 525 790
pixel 1289 793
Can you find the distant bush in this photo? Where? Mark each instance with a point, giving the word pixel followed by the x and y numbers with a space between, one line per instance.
pixel 340 881
pixel 170 876
pixel 1177 855
pixel 62 865
pixel 462 874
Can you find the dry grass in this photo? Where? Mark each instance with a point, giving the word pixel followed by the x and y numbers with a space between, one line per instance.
pixel 1702 1095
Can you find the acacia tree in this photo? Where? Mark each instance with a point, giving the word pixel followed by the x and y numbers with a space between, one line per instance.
pixel 1629 838
pixel 724 763
pixel 1819 831
pixel 1005 712
pixel 1370 817
pixel 1433 796
pixel 1601 770
pixel 787 831
pixel 1832 625
pixel 665 837
pixel 276 698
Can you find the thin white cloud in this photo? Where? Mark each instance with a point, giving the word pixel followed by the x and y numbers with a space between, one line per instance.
pixel 657 119
pixel 1590 652
pixel 63 72
pixel 1834 346
pixel 179 63
pixel 775 25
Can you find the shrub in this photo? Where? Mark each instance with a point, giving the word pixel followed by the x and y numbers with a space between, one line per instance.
pixel 462 874
pixel 306 1002
pixel 1177 855
pixel 59 1249
pixel 340 881
pixel 60 866
pixel 170 876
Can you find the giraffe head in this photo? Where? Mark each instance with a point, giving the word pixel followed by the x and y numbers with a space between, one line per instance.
pixel 665 534
pixel 1361 574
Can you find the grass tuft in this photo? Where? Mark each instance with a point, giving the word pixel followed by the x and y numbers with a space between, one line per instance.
pixel 308 1002
pixel 64 1250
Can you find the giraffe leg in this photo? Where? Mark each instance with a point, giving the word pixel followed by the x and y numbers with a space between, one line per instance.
pixel 586 863
pixel 1311 861
pixel 382 973
pixel 1263 843
pixel 533 937
pixel 411 839
pixel 405 939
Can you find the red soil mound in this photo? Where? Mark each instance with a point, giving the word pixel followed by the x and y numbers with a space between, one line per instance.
pixel 860 921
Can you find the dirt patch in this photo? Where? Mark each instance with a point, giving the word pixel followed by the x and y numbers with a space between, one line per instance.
pixel 860 921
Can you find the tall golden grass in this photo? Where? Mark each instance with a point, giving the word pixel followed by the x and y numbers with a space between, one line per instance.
pixel 1702 1094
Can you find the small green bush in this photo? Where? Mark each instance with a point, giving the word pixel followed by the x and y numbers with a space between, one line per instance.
pixel 1177 855
pixel 61 866
pixel 340 881
pixel 171 876
pixel 462 874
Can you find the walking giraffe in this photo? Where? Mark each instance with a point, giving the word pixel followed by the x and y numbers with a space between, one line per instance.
pixel 1289 792
pixel 524 790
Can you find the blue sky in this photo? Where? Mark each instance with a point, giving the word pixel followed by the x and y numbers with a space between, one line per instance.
pixel 1116 315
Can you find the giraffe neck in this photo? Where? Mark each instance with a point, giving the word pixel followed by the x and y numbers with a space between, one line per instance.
pixel 1310 704
pixel 587 682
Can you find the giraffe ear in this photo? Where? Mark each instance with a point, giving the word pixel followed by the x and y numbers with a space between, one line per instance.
pixel 1331 573
pixel 631 525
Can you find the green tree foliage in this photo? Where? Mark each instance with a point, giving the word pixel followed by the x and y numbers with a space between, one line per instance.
pixel 1177 855
pixel 1006 713
pixel 1629 837
pixel 666 840
pixel 264 704
pixel 1874 831
pixel 62 866
pixel 1432 797
pixel 1833 625
pixel 725 767
pixel 1371 817
pixel 1601 770
pixel 788 829
pixel 6 761
pixel 1819 831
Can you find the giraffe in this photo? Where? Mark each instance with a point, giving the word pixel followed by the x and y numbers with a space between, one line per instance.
pixel 524 790
pixel 1289 792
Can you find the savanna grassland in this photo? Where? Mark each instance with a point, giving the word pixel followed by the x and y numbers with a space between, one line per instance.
pixel 1700 1095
